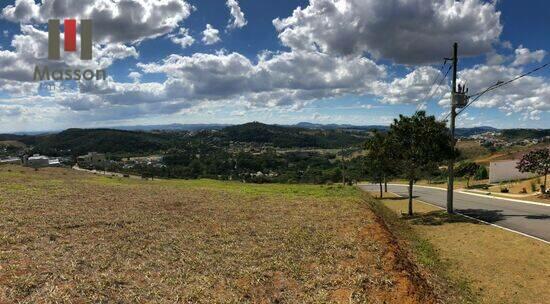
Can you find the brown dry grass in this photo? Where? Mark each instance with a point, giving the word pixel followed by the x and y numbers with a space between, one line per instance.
pixel 67 236
pixel 499 266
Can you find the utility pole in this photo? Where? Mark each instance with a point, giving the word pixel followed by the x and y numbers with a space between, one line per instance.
pixel 450 184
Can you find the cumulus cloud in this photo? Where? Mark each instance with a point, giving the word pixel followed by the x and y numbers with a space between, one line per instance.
pixel 135 76
pixel 406 31
pixel 281 79
pixel 210 35
pixel 237 16
pixel 414 88
pixel 525 56
pixel 30 49
pixel 529 95
pixel 329 46
pixel 128 21
pixel 183 38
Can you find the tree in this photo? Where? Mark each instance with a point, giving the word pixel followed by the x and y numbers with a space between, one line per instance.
pixel 378 160
pixel 538 162
pixel 419 141
pixel 481 173
pixel 467 169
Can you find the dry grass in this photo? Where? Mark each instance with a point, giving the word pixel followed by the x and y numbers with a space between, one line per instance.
pixel 67 236
pixel 517 187
pixel 499 266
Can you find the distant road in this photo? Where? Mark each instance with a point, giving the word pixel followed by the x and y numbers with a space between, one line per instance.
pixel 529 219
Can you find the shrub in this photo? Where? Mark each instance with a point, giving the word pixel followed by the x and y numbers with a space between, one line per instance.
pixel 533 186
pixel 481 173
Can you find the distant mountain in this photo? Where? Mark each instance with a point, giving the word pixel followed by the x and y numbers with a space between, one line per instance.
pixel 292 136
pixel 465 132
pixel 303 125
pixel 309 125
pixel 172 127
pixel 520 134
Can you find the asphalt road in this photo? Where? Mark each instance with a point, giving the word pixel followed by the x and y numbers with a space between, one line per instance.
pixel 530 219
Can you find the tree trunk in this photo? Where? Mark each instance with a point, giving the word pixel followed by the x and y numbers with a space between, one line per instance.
pixel 543 187
pixel 545 175
pixel 468 182
pixel 380 189
pixel 411 197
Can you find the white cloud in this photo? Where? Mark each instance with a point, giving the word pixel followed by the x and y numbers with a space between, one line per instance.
pixel 416 87
pixel 493 58
pixel 210 35
pixel 405 31
pixel 238 113
pixel 30 49
pixel 128 21
pixel 525 56
pixel 529 95
pixel 135 76
pixel 183 38
pixel 282 79
pixel 237 16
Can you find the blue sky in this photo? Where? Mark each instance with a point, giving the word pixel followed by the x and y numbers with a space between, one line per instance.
pixel 276 62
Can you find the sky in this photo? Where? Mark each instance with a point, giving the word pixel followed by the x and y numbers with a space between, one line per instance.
pixel 361 62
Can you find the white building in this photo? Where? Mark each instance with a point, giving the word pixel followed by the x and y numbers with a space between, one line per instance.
pixel 505 170
pixel 38 161
pixel 54 162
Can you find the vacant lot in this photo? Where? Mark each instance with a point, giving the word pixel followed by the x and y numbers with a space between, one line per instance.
pixel 497 266
pixel 67 236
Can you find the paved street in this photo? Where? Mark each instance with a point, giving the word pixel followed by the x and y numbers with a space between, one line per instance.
pixel 530 219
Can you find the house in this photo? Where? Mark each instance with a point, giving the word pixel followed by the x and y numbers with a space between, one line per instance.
pixel 37 161
pixel 505 170
pixel 92 159
pixel 54 162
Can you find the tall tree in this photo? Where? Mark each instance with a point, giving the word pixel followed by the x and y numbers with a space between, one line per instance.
pixel 538 162
pixel 378 160
pixel 419 141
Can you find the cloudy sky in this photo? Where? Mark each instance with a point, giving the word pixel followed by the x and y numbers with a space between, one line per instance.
pixel 233 61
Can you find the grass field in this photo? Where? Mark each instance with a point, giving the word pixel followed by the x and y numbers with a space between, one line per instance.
pixel 493 265
pixel 67 236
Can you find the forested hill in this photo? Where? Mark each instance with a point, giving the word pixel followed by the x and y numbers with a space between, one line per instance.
pixel 81 141
pixel 287 137
pixel 519 134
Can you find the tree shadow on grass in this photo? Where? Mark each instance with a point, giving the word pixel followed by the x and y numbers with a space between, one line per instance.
pixel 492 216
pixel 438 217
pixel 399 198
pixel 441 217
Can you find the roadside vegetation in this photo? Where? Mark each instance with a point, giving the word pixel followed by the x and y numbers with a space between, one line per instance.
pixel 488 265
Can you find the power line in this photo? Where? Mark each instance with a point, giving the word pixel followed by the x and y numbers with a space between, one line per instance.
pixel 500 84
pixel 431 92
pixel 441 82
pixel 497 85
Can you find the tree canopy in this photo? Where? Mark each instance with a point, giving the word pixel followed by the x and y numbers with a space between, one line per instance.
pixel 536 161
pixel 418 142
